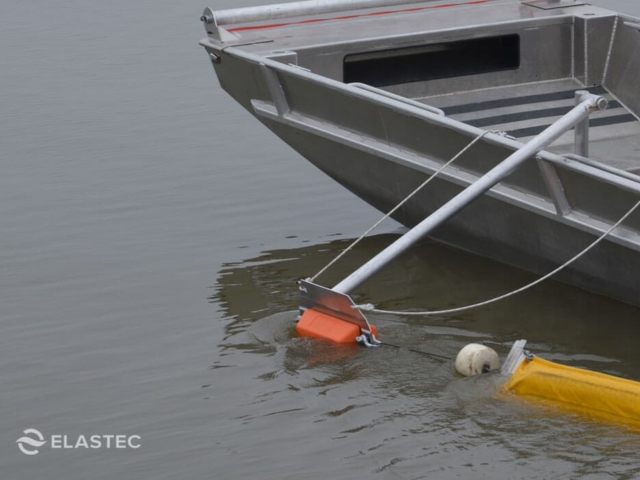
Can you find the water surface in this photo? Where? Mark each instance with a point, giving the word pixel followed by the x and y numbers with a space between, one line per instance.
pixel 152 234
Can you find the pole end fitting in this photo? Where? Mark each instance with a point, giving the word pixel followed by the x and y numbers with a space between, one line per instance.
pixel 208 16
pixel 597 102
pixel 601 103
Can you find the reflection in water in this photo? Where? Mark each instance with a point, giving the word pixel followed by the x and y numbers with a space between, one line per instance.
pixel 399 411
pixel 556 318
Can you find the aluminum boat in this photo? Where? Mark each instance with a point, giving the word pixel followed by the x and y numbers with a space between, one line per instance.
pixel 380 94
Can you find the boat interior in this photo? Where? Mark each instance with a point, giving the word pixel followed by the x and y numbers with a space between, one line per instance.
pixel 502 65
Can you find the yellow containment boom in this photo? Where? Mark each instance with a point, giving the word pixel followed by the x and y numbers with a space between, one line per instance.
pixel 591 394
pixel 588 393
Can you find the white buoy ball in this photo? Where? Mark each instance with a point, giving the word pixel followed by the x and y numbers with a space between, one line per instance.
pixel 475 359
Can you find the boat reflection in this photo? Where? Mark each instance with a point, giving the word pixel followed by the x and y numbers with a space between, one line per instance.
pixel 554 317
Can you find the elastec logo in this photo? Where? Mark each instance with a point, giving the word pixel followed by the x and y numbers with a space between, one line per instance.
pixel 28 445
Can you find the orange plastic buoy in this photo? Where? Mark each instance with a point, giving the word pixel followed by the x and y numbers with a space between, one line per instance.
pixel 316 324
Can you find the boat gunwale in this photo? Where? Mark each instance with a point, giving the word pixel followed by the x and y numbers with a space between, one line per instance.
pixel 493 138
pixel 260 36
pixel 542 206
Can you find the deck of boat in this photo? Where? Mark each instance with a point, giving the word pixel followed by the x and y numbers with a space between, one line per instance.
pixel 523 111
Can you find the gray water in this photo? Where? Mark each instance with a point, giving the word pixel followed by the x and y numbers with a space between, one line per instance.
pixel 151 235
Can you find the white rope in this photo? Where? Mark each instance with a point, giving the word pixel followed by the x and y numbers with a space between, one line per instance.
pixel 392 211
pixel 371 308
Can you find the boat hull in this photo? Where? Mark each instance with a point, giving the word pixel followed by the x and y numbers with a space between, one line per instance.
pixel 490 227
pixel 381 145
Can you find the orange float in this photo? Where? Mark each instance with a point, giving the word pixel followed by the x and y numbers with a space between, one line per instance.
pixel 316 324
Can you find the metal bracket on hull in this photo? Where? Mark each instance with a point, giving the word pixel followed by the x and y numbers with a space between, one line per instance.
pixel 213 29
pixel 275 89
pixel 339 305
pixel 316 299
pixel 554 187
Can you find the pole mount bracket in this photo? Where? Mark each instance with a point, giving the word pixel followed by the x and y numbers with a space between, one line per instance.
pixel 338 305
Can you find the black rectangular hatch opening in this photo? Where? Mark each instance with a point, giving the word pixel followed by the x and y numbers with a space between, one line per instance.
pixel 430 62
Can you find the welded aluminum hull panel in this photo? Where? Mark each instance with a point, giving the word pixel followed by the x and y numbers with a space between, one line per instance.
pixel 488 227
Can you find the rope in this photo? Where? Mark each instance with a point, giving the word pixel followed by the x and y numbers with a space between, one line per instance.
pixel 394 209
pixel 441 358
pixel 371 308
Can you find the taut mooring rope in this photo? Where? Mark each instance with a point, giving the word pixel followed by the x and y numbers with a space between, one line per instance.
pixel 394 209
pixel 371 308
pixel 441 358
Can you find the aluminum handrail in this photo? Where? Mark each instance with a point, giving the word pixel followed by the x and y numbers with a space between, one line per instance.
pixel 602 166
pixel 399 98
